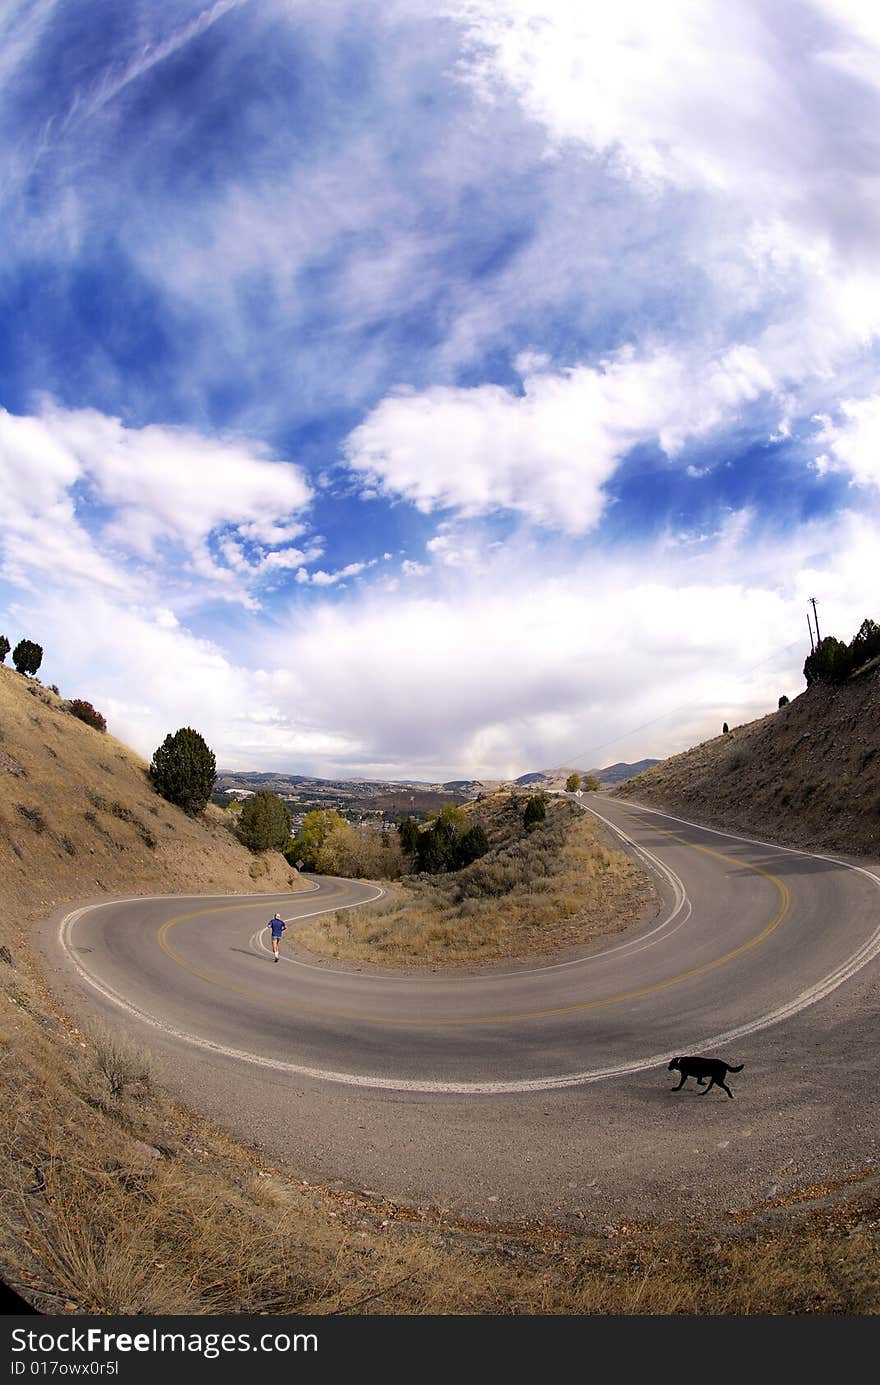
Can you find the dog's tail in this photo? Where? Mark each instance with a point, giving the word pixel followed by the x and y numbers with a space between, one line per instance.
pixel 732 1069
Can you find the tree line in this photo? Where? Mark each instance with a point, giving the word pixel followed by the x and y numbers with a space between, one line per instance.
pixel 832 661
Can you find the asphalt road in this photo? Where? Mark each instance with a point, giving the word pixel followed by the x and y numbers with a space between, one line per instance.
pixel 535 1090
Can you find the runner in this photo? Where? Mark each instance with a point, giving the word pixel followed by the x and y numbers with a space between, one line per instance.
pixel 278 926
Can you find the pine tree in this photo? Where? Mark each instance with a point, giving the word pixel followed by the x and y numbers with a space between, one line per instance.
pixel 183 770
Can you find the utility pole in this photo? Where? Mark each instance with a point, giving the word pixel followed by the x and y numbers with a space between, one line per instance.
pixel 810 628
pixel 812 600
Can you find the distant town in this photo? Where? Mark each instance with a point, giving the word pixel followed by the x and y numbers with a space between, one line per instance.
pixel 384 802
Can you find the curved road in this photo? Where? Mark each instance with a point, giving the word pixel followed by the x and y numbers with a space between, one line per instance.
pixel 527 1090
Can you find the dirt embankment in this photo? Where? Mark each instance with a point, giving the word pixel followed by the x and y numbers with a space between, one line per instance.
pixel 807 775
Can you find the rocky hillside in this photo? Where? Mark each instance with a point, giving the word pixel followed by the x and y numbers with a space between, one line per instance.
pixel 806 775
pixel 79 818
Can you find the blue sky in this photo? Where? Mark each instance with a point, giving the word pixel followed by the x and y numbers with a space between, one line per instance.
pixel 435 390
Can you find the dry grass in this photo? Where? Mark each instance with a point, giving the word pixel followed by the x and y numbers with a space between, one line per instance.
pixel 558 886
pixel 134 1207
pixel 116 1201
pixel 95 1221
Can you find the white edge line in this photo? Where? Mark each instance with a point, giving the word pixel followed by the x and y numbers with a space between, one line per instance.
pixel 860 958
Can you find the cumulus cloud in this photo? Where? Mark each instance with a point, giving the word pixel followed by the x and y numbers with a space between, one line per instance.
pixel 530 661
pixel 725 98
pixel 535 235
pixel 854 443
pixel 526 663
pixel 548 452
pixel 152 486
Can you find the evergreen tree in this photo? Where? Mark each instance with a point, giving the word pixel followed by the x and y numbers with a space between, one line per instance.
pixel 27 656
pixel 865 644
pixel 264 823
pixel 183 770
pixel 783 701
pixel 473 845
pixel 830 662
pixel 5 647
pixel 535 810
pixel 408 832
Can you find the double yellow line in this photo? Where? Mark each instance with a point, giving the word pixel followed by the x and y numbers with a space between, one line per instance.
pixel 622 997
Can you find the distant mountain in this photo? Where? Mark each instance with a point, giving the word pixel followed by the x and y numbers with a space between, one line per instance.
pixel 616 774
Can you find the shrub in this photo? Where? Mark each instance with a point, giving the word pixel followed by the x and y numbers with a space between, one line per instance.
pixel 124 1066
pixel 535 810
pixel 124 813
pixel 27 656
pixel 830 662
pixel 84 711
pixel 33 816
pixel 264 823
pixel 590 783
pixel 783 701
pixel 183 770
pixel 5 647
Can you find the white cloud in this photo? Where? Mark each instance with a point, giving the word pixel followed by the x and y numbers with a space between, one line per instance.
pixel 152 486
pixel 730 99
pixel 290 557
pixel 329 579
pixel 537 656
pixel 529 661
pixel 548 452
pixel 748 125
pixel 853 444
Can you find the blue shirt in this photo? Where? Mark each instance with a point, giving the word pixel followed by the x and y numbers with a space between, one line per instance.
pixel 278 926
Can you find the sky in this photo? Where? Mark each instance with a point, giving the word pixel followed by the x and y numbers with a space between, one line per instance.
pixel 392 389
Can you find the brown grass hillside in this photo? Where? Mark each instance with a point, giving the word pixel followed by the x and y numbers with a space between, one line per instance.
pixel 79 818
pixel 807 775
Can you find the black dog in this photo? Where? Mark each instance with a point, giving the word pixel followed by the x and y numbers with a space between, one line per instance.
pixel 711 1070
